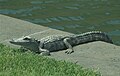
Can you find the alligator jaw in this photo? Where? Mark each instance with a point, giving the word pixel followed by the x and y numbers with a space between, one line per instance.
pixel 12 41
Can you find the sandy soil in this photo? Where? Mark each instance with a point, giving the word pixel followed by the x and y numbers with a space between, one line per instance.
pixel 101 56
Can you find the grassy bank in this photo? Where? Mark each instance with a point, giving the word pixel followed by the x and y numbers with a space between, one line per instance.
pixel 16 63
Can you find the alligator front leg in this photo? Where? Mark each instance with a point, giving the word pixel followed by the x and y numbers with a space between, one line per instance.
pixel 22 49
pixel 68 45
pixel 43 52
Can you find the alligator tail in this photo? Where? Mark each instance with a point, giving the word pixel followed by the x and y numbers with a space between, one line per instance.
pixel 91 37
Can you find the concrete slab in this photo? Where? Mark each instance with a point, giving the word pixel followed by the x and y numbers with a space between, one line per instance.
pixel 15 28
pixel 99 55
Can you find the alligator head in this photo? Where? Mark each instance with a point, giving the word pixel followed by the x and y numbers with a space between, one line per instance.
pixel 27 42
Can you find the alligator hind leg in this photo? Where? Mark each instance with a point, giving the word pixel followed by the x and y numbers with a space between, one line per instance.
pixel 68 46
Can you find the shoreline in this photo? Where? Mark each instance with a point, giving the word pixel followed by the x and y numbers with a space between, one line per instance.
pixel 98 54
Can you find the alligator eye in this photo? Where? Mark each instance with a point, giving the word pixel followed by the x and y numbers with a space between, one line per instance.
pixel 26 38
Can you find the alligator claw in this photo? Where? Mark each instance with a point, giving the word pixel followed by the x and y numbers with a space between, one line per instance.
pixel 69 52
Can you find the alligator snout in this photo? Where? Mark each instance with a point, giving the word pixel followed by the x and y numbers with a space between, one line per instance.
pixel 11 41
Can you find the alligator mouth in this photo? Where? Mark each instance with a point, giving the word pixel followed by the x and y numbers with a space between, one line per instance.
pixel 14 42
pixel 11 41
pixel 17 42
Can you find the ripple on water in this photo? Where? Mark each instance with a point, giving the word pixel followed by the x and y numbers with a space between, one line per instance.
pixel 114 33
pixel 107 13
pixel 3 0
pixel 39 20
pixel 64 18
pixel 20 11
pixel 67 18
pixel 36 2
pixel 76 4
pixel 50 1
pixel 73 26
pixel 73 18
pixel 76 18
pixel 113 21
pixel 91 27
pixel 42 2
pixel 57 27
pixel 71 7
pixel 6 11
pixel 56 19
pixel 117 42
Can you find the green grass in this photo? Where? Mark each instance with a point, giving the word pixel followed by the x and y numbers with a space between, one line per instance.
pixel 13 62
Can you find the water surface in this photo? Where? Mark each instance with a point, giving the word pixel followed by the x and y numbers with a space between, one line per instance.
pixel 75 16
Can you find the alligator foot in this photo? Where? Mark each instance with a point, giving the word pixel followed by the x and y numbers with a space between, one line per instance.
pixel 22 49
pixel 69 51
pixel 45 53
pixel 68 46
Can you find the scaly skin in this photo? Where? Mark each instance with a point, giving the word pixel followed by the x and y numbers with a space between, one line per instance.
pixel 59 42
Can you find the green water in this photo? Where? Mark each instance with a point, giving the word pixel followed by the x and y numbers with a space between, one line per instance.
pixel 75 16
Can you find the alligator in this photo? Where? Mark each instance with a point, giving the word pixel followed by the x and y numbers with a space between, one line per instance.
pixel 55 43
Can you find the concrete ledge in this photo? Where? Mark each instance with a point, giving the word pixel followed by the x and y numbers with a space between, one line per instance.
pixel 98 55
pixel 15 28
